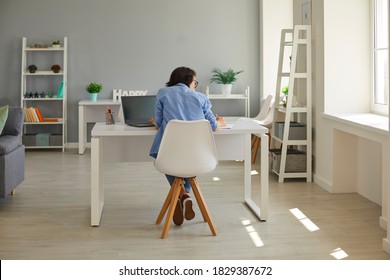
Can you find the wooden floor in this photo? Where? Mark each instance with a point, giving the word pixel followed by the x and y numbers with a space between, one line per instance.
pixel 49 217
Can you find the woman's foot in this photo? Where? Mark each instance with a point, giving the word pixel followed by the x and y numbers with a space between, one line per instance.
pixel 178 217
pixel 186 203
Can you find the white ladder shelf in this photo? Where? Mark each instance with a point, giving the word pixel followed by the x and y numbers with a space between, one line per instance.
pixel 299 91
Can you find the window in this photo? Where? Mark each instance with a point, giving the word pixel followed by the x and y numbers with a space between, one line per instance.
pixel 380 57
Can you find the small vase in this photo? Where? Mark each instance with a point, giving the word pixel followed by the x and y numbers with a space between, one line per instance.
pixel 93 96
pixel 226 89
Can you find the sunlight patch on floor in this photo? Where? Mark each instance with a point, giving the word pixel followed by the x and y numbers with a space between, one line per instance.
pixel 339 254
pixel 252 233
pixel 304 220
pixel 254 172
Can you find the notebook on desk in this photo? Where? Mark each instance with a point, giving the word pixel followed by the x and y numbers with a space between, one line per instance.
pixel 137 110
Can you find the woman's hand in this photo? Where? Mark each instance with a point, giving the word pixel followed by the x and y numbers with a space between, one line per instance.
pixel 151 120
pixel 220 120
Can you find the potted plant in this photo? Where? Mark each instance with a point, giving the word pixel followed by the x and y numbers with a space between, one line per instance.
pixel 56 43
pixel 93 89
pixel 285 93
pixel 32 68
pixel 225 79
pixel 55 68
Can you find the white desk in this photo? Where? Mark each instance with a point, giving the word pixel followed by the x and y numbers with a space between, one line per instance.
pixel 115 142
pixel 93 111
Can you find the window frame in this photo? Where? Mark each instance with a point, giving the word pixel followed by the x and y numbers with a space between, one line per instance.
pixel 382 109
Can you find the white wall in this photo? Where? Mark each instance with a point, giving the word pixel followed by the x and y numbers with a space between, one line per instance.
pixel 348 157
pixel 357 165
pixel 133 44
pixel 276 15
pixel 346 45
pixel 341 74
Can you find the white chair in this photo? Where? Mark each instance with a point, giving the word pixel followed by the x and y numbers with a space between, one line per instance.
pixel 264 118
pixel 187 149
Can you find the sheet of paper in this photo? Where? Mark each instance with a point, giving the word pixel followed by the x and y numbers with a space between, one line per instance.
pixel 227 126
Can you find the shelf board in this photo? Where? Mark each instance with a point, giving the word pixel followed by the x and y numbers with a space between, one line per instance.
pixel 44 147
pixel 48 49
pixel 43 73
pixel 44 99
pixel 43 123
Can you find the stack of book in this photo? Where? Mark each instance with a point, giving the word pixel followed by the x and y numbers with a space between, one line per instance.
pixel 34 115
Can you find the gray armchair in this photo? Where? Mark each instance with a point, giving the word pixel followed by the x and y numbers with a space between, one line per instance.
pixel 11 153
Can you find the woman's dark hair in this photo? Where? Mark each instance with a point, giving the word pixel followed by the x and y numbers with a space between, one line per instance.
pixel 183 75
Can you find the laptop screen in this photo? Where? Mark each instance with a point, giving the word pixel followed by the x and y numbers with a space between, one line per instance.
pixel 139 108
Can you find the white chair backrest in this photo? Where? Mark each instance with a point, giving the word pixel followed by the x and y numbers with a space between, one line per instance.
pixel 187 149
pixel 265 108
pixel 270 116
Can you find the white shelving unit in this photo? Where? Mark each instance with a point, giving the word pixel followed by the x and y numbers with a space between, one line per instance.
pixel 245 97
pixel 298 105
pixel 35 88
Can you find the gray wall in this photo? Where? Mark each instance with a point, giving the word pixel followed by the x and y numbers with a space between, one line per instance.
pixel 130 44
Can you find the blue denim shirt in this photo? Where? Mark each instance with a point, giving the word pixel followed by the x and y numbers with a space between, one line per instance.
pixel 181 103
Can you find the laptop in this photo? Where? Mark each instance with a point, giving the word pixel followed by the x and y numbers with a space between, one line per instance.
pixel 138 109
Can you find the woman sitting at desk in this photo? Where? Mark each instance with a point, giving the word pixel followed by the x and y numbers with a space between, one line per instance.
pixel 179 100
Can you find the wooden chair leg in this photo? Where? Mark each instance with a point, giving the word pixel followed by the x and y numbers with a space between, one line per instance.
pixel 164 208
pixel 202 205
pixel 255 145
pixel 176 186
pixel 255 148
pixel 253 140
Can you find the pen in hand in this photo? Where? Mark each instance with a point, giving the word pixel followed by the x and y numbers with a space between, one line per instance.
pixel 220 120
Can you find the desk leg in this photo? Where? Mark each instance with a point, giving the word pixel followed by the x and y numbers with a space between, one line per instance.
pixel 97 180
pixel 247 168
pixel 264 182
pixel 247 177
pixel 82 131
pixel 260 211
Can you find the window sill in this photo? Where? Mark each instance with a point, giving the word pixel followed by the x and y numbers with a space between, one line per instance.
pixel 370 122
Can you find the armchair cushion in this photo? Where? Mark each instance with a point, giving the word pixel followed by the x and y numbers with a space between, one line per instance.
pixel 3 117
pixel 14 123
pixel 8 143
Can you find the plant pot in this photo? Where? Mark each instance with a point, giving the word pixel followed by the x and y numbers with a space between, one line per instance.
pixel 32 68
pixel 226 89
pixel 56 68
pixel 93 96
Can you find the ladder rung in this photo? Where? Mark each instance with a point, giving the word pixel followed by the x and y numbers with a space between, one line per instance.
pixel 297 142
pixel 302 41
pixel 298 75
pixel 295 174
pixel 293 109
pixel 293 75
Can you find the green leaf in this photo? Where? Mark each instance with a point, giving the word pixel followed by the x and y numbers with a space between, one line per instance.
pixel 94 87
pixel 227 77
